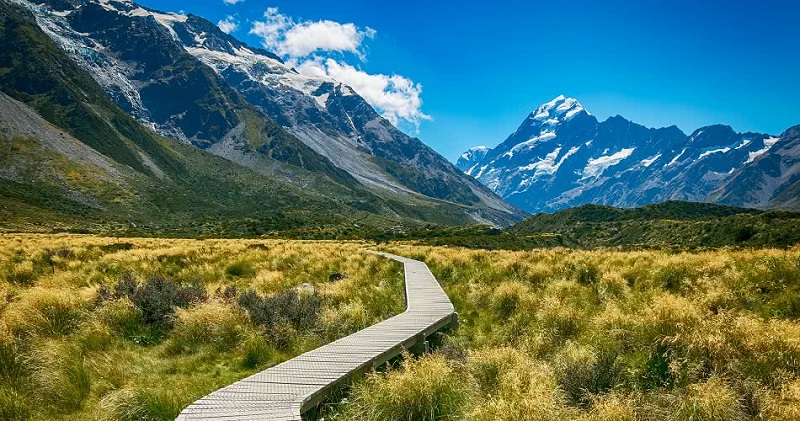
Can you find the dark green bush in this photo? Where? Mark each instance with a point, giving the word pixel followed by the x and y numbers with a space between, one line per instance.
pixel 240 270
pixel 582 380
pixel 672 279
pixel 587 274
pixel 158 298
pixel 282 315
pixel 115 247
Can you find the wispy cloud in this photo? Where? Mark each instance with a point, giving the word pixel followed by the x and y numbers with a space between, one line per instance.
pixel 324 47
pixel 232 1
pixel 228 25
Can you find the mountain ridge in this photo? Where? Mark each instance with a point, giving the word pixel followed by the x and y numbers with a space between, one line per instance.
pixel 204 112
pixel 566 157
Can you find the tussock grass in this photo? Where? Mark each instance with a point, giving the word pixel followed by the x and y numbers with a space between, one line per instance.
pixel 45 311
pixel 97 328
pixel 426 390
pixel 560 334
pixel 220 325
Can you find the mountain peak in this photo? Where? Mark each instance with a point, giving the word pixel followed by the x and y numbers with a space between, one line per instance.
pixel 471 157
pixel 558 110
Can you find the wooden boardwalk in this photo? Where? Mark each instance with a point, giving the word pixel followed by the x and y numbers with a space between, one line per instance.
pixel 287 390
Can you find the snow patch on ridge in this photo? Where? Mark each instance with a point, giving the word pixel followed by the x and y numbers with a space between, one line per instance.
pixel 768 144
pixel 548 164
pixel 714 151
pixel 262 69
pixel 649 161
pixel 674 160
pixel 543 137
pixel 597 166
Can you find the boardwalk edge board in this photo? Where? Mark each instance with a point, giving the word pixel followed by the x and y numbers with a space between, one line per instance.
pixel 287 390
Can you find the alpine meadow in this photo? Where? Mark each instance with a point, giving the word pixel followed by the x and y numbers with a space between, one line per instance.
pixel 305 211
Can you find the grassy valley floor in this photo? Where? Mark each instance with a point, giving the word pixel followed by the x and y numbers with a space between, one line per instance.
pixel 603 335
pixel 136 329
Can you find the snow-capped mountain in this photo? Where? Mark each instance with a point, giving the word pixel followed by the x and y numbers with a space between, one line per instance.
pixel 184 78
pixel 562 156
pixel 472 156
pixel 332 119
pixel 771 176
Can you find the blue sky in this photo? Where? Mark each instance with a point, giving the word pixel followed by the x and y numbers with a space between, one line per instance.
pixel 479 68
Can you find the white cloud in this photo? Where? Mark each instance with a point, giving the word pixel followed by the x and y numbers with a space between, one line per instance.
pixel 322 48
pixel 397 97
pixel 232 1
pixel 228 25
pixel 284 36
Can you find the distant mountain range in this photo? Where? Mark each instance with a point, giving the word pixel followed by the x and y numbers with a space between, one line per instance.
pixel 561 156
pixel 135 116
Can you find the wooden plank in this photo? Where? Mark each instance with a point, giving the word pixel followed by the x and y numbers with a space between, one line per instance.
pixel 284 392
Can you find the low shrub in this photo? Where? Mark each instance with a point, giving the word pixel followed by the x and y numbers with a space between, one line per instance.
pixel 300 311
pixel 158 298
pixel 240 269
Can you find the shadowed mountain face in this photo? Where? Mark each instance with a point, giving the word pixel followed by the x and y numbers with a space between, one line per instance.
pixel 117 77
pixel 772 177
pixel 562 156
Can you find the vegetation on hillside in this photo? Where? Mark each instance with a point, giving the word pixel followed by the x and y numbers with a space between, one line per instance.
pixel 603 335
pixel 136 329
pixel 668 225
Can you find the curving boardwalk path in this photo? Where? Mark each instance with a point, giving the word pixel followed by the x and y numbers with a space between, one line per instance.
pixel 285 391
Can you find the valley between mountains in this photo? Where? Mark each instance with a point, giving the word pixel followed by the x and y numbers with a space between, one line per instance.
pixel 192 225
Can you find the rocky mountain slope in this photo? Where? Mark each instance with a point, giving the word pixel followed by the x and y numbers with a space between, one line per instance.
pixel 562 156
pixel 771 178
pixel 117 77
